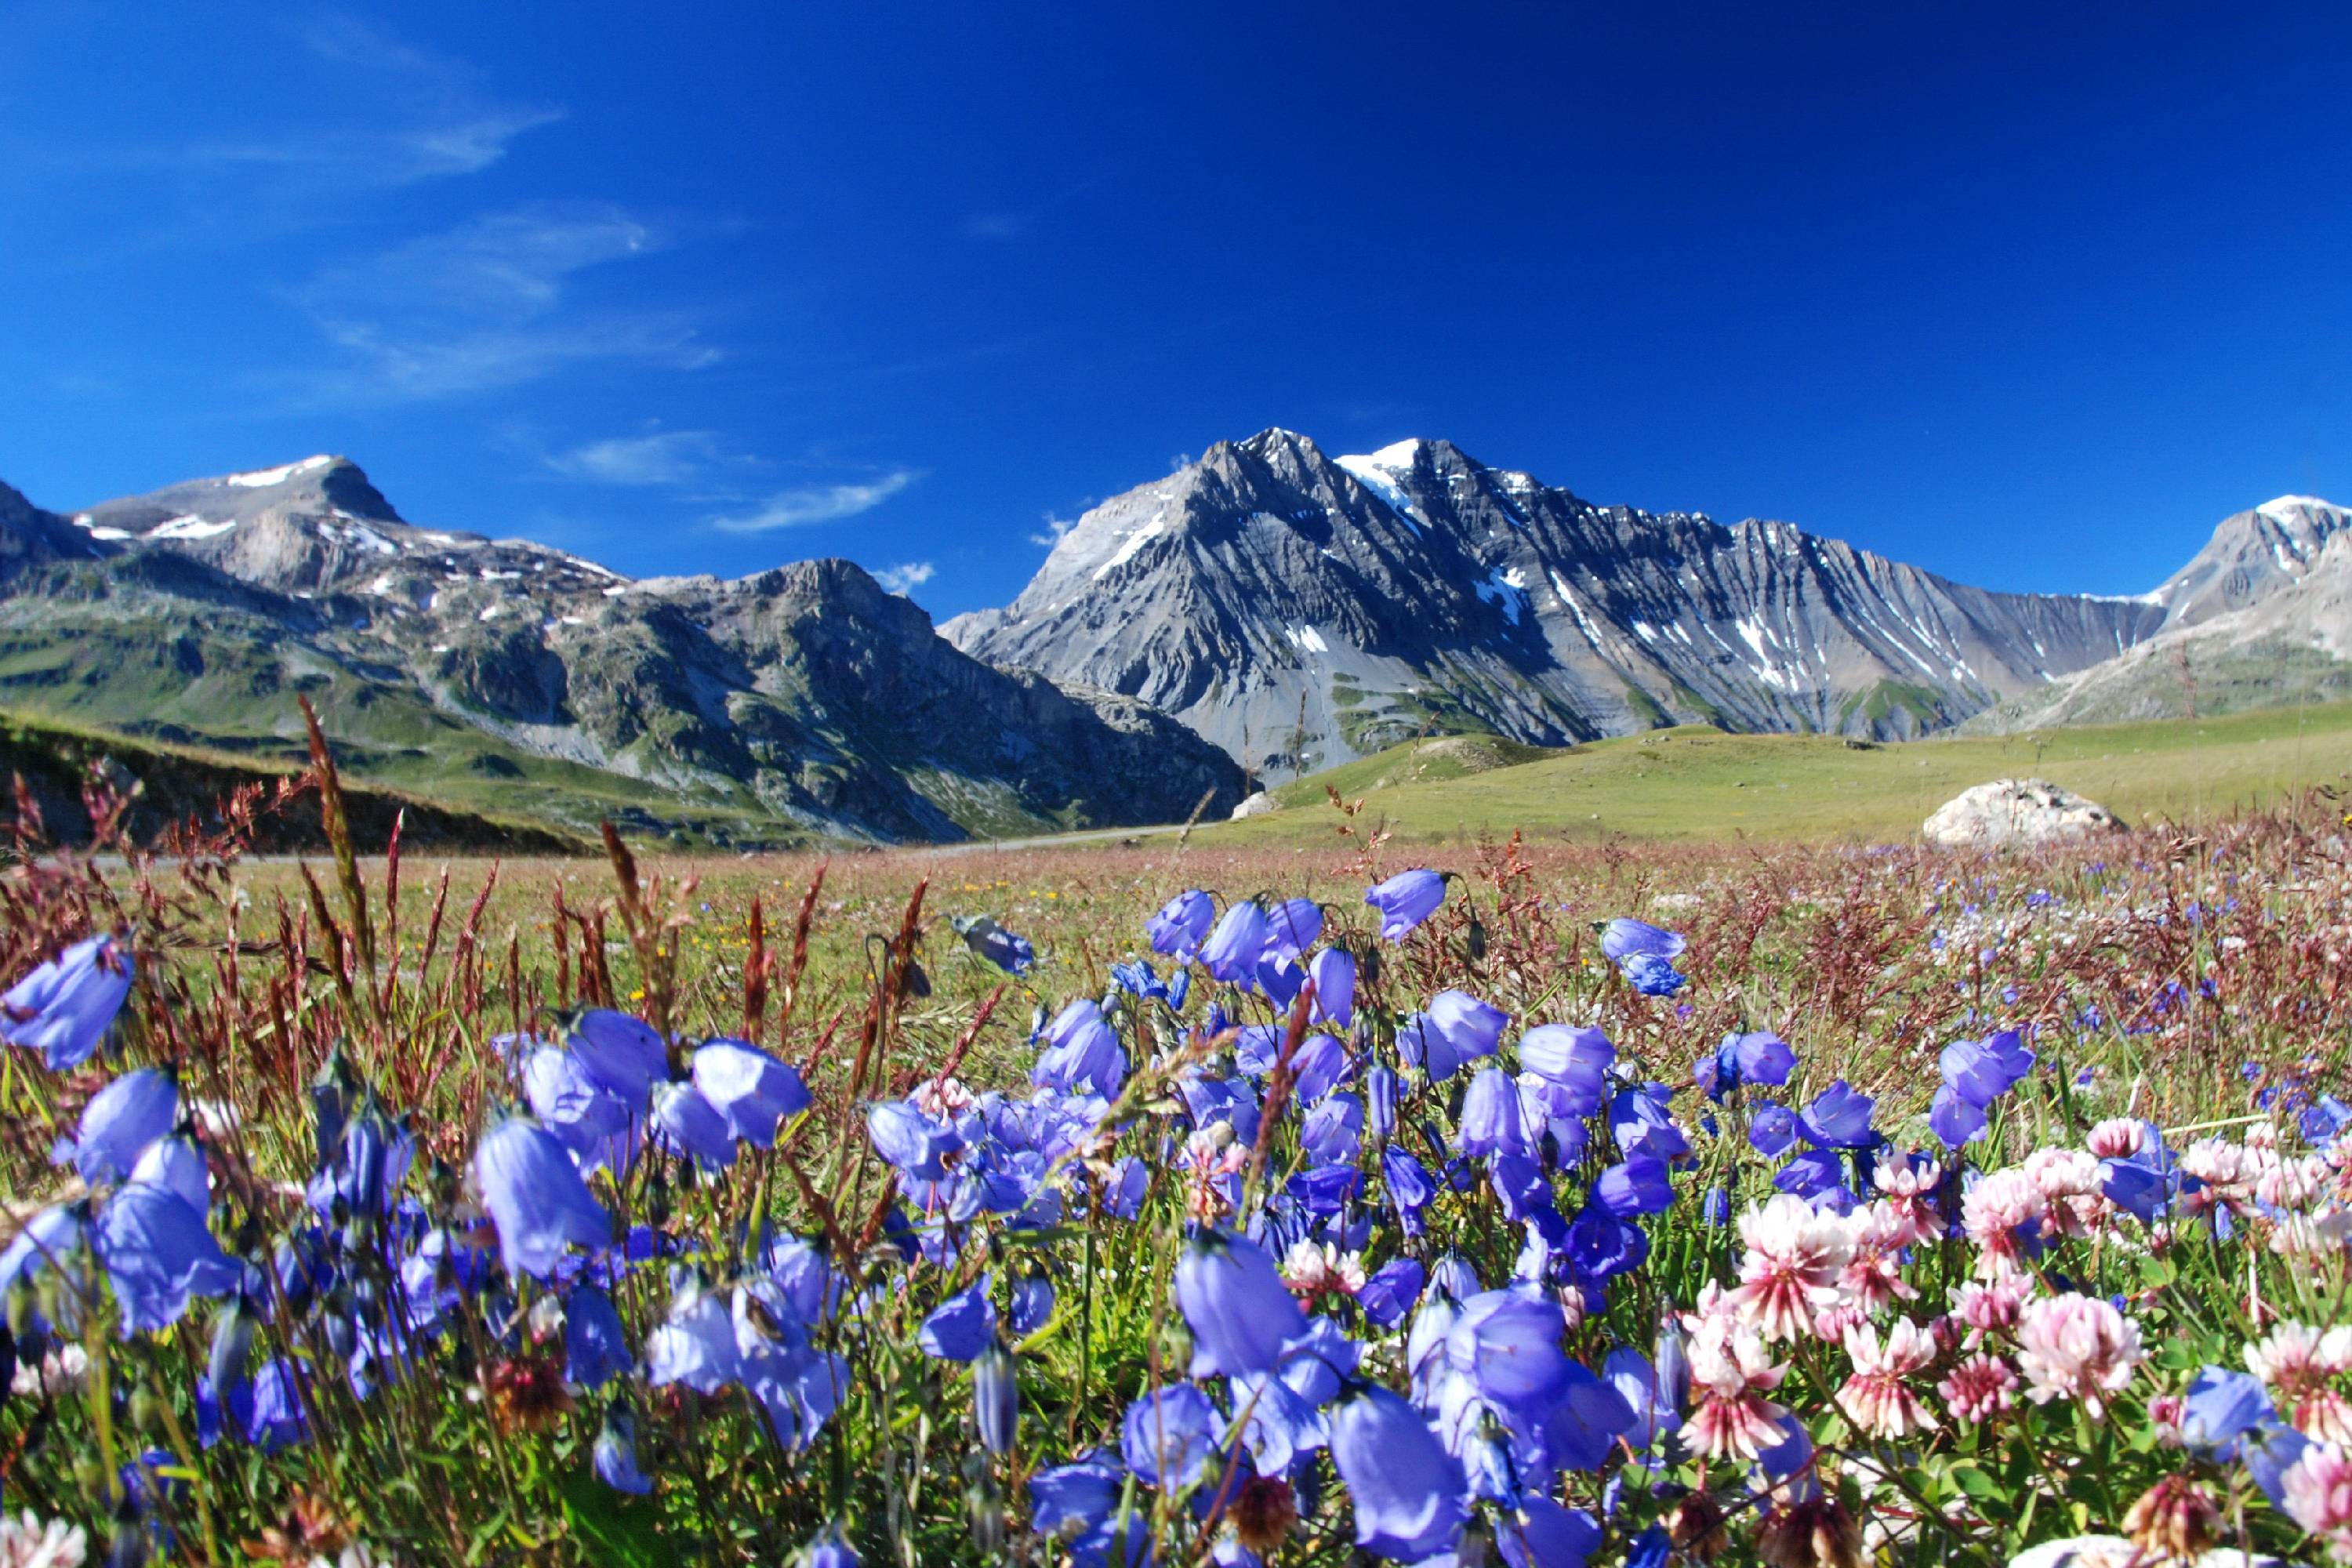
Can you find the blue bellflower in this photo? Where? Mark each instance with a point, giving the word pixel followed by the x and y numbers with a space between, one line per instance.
pixel 1408 1495
pixel 1234 1300
pixel 614 1457
pixel 1233 948
pixel 64 1006
pixel 158 1254
pixel 118 1123
pixel 1183 924
pixel 753 1090
pixel 622 1055
pixel 1404 901
pixel 962 1326
pixel 536 1198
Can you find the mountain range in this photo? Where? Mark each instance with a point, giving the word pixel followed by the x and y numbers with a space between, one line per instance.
pixel 1265 610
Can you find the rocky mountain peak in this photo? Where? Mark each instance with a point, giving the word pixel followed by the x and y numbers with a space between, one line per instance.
pixel 2251 555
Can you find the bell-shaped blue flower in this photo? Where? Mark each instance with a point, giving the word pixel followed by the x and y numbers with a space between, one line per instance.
pixel 1168 1435
pixel 961 1326
pixel 1408 1495
pixel 1292 927
pixel 829 1549
pixel 64 1006
pixel 1507 1343
pixel 1573 1061
pixel 1471 1027
pixel 690 1127
pixel 614 1457
pixel 1066 1501
pixel 1637 1186
pixel 1233 951
pixel 1391 1292
pixel 1541 1533
pixel 1981 1071
pixel 595 1348
pixel 46 1238
pixel 1182 923
pixel 1772 1129
pixel 2221 1408
pixel 750 1089
pixel 1082 1054
pixel 695 1344
pixel 996 1398
pixel 992 943
pixel 273 1412
pixel 1839 1118
pixel 623 1054
pixel 582 1114
pixel 1406 899
pixel 178 1164
pixel 909 1139
pixel 1033 1304
pixel 158 1254
pixel 1333 970
pixel 118 1123
pixel 1653 976
pixel 535 1198
pixel 1625 938
pixel 1234 1300
pixel 1584 1422
pixel 1492 1117
pixel 1761 1057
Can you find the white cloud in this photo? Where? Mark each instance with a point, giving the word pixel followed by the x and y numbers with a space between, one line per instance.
pixel 817 503
pixel 899 579
pixel 1055 527
pixel 661 458
pixel 485 306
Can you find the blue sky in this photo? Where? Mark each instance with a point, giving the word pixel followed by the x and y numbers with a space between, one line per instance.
pixel 2031 294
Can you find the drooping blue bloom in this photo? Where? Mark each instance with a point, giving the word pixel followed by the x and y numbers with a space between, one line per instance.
pixel 177 1163
pixel 909 1139
pixel 158 1254
pixel 961 1326
pixel 1653 976
pixel 1234 1300
pixel 1581 1428
pixel 996 1398
pixel 690 1127
pixel 624 1055
pixel 1637 1186
pixel 1981 1071
pixel 1182 923
pixel 1333 970
pixel 1574 1061
pixel 1391 1290
pixel 47 1237
pixel 1033 1304
pixel 1813 1175
pixel 536 1198
pixel 1839 1118
pixel 694 1344
pixel 1409 1185
pixel 753 1090
pixel 1642 1123
pixel 1954 1120
pixel 2134 1188
pixel 1068 1499
pixel 1280 979
pixel 1762 1057
pixel 1492 1121
pixel 1423 1045
pixel 1317 1068
pixel 1138 979
pixel 1292 927
pixel 64 1006
pixel 1601 1245
pixel 1772 1129
pixel 1471 1027
pixel 1082 1054
pixel 2271 1449
pixel 1333 1132
pixel 595 1348
pixel 274 1419
pixel 1277 1422
pixel 2221 1407
pixel 829 1549
pixel 118 1123
pixel 1541 1533
pixel 570 1103
pixel 1168 1435
pixel 1507 1343
pixel 1380 1100
pixel 614 1457
pixel 2325 1121
pixel 1792 1456
pixel 1233 948
pixel 1638 1382
pixel 1408 1495
pixel 1625 938
pixel 1405 900
pixel 992 943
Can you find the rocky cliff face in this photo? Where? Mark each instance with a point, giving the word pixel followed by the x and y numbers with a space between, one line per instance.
pixel 1298 609
pixel 806 696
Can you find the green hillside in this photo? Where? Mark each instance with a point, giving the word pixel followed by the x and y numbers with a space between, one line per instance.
pixel 1697 782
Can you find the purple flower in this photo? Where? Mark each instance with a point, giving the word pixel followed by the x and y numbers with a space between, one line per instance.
pixel 1471 1027
pixel 909 1139
pixel 1167 1437
pixel 1333 970
pixel 993 943
pixel 1082 1053
pixel 577 1108
pixel 1507 1344
pixel 1033 1304
pixel 621 1054
pixel 1317 1068
pixel 695 1344
pixel 1408 1493
pixel 829 1549
pixel 1638 1187
pixel 1292 927
pixel 46 1236
pixel 158 1254
pixel 1954 1119
pixel 1625 937
pixel 1234 1300
pixel 1642 1124
pixel 118 1123
pixel 1405 900
pixel 750 1089
pixel 690 1126
pixel 1839 1118
pixel 2221 1407
pixel 536 1198
pixel 614 1458
pixel 177 1163
pixel 1584 1422
pixel 1574 1061
pixel 1647 1394
pixel 1541 1533
pixel 996 1398
pixel 1182 923
pixel 1068 1499
pixel 1743 1060
pixel 1772 1130
pixel 1380 1100
pixel 1981 1071
pixel 1653 976
pixel 64 1006
pixel 1601 1245
pixel 1391 1290
pixel 962 1326
pixel 595 1348
pixel 1491 1121
pixel 274 1418
pixel 1233 951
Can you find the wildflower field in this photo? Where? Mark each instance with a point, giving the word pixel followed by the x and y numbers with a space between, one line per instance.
pixel 1507 1203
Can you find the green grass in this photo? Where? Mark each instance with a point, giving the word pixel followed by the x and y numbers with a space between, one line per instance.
pixel 1700 783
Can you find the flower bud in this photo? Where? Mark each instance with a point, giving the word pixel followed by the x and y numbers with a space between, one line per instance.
pixel 2175 1519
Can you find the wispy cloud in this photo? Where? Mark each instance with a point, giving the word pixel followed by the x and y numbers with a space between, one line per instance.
pixel 485 306
pixel 1051 535
pixel 660 457
pixel 900 579
pixel 817 503
pixel 1013 223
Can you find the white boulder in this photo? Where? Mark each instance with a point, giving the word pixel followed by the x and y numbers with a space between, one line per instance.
pixel 1257 804
pixel 2016 811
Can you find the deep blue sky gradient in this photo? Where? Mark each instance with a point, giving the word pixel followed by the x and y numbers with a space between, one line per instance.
pixel 2032 295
